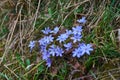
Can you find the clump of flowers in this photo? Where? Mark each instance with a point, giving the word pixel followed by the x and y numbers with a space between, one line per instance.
pixel 56 44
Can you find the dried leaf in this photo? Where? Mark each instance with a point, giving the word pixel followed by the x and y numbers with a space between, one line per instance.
pixel 54 71
pixel 77 65
pixel 1 49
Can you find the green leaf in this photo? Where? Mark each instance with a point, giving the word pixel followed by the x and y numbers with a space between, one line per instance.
pixel 50 11
pixel 41 68
pixel 28 62
pixel 20 60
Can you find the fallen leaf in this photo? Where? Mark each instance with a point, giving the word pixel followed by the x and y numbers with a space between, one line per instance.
pixel 1 49
pixel 54 71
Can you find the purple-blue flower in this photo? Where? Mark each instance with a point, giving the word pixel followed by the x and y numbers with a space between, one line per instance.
pixel 77 30
pixel 85 48
pixel 59 51
pixel 62 37
pixel 31 45
pixel 68 46
pixel 68 32
pixel 55 50
pixel 83 20
pixel 42 42
pixel 76 37
pixel 48 62
pixel 45 55
pixel 42 48
pixel 82 49
pixel 46 40
pixel 52 50
pixel 49 39
pixel 77 53
pixel 46 31
pixel 55 30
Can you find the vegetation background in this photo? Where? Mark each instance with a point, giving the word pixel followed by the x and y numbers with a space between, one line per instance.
pixel 22 20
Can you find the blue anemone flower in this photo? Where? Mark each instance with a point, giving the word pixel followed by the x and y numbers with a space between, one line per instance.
pixel 55 50
pixel 31 45
pixel 68 32
pixel 82 49
pixel 77 30
pixel 62 37
pixel 48 62
pixel 55 30
pixel 59 51
pixel 68 46
pixel 49 39
pixel 77 53
pixel 46 31
pixel 42 42
pixel 83 20
pixel 42 48
pixel 45 55
pixel 76 37
pixel 52 50
pixel 85 48
pixel 46 40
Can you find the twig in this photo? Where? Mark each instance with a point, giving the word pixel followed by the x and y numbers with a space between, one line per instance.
pixel 34 68
pixel 111 76
pixel 11 71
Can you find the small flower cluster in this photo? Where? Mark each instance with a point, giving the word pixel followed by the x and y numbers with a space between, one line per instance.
pixel 56 44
